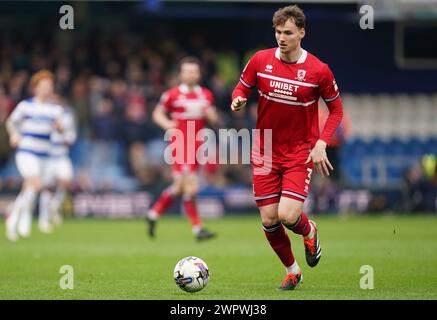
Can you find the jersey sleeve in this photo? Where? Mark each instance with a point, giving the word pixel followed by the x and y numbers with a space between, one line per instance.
pixel 248 76
pixel 328 88
pixel 18 113
pixel 166 100
pixel 210 98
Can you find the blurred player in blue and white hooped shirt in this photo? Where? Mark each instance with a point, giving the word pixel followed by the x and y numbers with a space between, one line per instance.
pixel 30 127
pixel 59 174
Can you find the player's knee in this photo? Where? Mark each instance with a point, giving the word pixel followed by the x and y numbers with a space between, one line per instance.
pixel 34 184
pixel 269 215
pixel 29 194
pixel 190 191
pixel 269 221
pixel 176 188
pixel 65 184
pixel 190 188
pixel 289 215
pixel 38 185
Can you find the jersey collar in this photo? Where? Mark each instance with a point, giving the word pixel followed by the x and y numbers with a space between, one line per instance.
pixel 183 88
pixel 301 59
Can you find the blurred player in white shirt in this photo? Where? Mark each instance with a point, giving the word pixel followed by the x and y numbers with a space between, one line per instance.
pixel 30 127
pixel 59 174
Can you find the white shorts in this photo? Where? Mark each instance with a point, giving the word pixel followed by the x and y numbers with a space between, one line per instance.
pixel 30 165
pixel 59 168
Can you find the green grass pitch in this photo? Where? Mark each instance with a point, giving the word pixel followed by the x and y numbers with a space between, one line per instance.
pixel 116 260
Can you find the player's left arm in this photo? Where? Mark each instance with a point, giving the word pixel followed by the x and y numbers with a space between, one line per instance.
pixel 212 116
pixel 329 92
pixel 210 111
pixel 58 123
pixel 70 130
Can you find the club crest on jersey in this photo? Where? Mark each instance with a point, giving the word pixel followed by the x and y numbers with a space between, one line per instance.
pixel 269 68
pixel 301 75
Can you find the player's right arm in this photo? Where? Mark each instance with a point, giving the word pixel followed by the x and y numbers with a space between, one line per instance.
pixel 245 85
pixel 329 92
pixel 161 118
pixel 160 114
pixel 13 124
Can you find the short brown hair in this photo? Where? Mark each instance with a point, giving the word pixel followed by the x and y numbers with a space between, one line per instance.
pixel 42 74
pixel 189 59
pixel 294 13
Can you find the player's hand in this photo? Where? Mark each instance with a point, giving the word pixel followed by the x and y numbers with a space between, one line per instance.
pixel 58 125
pixel 170 124
pixel 238 103
pixel 320 159
pixel 14 140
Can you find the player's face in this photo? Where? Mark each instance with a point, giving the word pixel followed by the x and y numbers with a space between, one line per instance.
pixel 288 36
pixel 44 88
pixel 190 74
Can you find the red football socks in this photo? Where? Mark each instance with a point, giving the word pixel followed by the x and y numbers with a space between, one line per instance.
pixel 164 202
pixel 191 210
pixel 280 242
pixel 301 226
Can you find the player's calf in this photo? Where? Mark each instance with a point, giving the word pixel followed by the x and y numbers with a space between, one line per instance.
pixel 308 229
pixel 151 219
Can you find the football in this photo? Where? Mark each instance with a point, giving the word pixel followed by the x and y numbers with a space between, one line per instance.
pixel 191 274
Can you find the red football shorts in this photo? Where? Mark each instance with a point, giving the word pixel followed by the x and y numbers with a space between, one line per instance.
pixel 188 164
pixel 184 169
pixel 281 180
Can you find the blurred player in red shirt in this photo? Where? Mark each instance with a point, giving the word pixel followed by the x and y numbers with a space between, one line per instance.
pixel 185 108
pixel 290 81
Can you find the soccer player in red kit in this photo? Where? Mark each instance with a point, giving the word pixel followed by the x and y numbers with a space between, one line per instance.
pixel 290 81
pixel 184 107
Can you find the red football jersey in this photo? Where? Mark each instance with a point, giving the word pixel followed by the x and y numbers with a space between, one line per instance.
pixel 184 105
pixel 188 108
pixel 288 98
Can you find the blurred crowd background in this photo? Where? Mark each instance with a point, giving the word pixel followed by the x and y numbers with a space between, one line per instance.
pixel 121 56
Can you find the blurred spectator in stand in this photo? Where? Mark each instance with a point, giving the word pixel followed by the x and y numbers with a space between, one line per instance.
pixel 103 155
pixel 412 189
pixel 208 58
pixel 429 165
pixel 228 66
pixel 63 79
pixel 135 131
pixel 80 104
pixel 105 121
pixel 155 77
pixel 6 106
pixel 17 86
pixel 118 93
pixel 419 188
pixel 218 86
pixel 135 118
